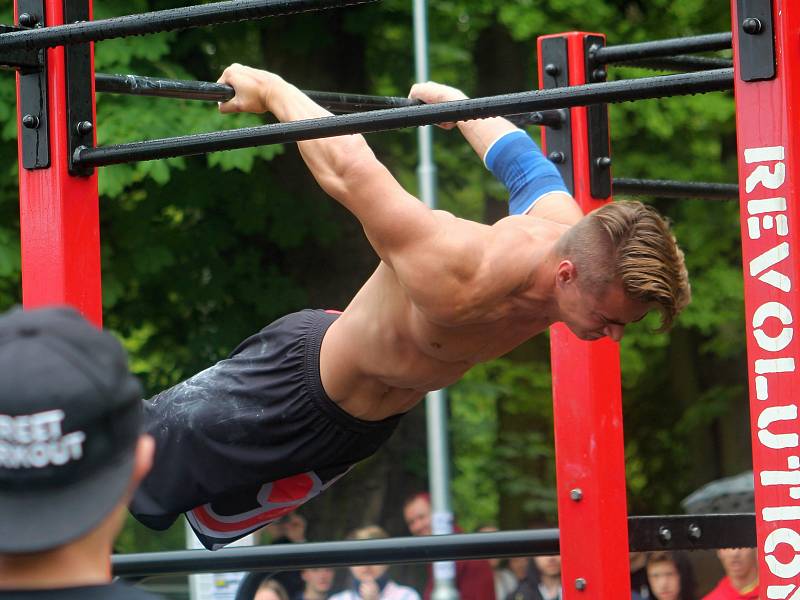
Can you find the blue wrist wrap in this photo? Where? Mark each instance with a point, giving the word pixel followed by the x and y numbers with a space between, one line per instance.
pixel 516 161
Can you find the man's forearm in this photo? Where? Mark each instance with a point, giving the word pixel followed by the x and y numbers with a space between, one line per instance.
pixel 328 159
pixel 482 133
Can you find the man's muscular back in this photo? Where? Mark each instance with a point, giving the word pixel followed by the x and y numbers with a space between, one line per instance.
pixel 409 332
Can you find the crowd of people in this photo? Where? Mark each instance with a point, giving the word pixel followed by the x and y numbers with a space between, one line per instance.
pixel 664 575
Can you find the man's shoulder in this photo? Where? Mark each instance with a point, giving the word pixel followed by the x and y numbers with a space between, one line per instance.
pixel 725 591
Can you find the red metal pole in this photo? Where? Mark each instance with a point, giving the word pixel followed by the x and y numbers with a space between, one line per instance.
pixel 587 404
pixel 768 132
pixel 59 213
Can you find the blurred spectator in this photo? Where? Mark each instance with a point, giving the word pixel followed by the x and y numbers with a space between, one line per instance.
pixel 670 576
pixel 372 582
pixel 72 453
pixel 271 590
pixel 520 567
pixel 741 575
pixel 542 581
pixel 639 586
pixel 474 578
pixel 289 529
pixel 318 584
pixel 504 580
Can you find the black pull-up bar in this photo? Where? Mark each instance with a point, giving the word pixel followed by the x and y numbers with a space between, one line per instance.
pixel 665 188
pixel 683 63
pixel 663 532
pixel 661 48
pixel 411 116
pixel 336 102
pixel 162 20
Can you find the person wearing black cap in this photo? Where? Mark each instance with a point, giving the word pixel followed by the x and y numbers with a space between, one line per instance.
pixel 71 455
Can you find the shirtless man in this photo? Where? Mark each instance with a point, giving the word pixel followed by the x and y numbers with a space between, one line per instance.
pixel 299 403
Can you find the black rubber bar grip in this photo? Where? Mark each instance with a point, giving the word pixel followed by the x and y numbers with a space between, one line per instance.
pixel 163 20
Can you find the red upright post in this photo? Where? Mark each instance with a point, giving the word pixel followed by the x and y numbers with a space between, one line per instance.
pixel 587 398
pixel 768 131
pixel 59 214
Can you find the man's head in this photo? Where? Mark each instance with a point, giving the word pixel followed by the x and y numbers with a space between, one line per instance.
pixel 740 564
pixel 417 513
pixel 616 264
pixel 318 581
pixel 663 577
pixel 368 572
pixel 71 449
pixel 548 566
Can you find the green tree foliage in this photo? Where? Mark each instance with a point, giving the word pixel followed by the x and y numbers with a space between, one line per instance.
pixel 199 252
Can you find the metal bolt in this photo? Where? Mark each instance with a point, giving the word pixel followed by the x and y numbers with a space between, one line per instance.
pixel 694 532
pixel 536 118
pixel 557 157
pixel 752 26
pixel 28 20
pixel 552 69
pixel 84 127
pixel 30 121
pixel 664 534
pixel 576 494
pixel 580 584
pixel 599 75
pixel 603 162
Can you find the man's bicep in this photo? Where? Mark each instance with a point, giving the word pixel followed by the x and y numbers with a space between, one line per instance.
pixel 392 218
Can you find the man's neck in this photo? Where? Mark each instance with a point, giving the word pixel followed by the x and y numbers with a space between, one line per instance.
pixel 314 595
pixel 73 565
pixel 552 585
pixel 746 582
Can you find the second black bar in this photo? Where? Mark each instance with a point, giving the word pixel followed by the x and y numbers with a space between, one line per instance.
pixel 412 116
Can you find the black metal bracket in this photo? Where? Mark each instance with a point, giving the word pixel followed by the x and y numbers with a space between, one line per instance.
pixel 555 74
pixel 33 110
pixel 691 532
pixel 597 125
pixel 78 76
pixel 756 51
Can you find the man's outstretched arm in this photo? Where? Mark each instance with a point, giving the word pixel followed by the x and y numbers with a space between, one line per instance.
pixel 533 182
pixel 344 166
pixel 419 244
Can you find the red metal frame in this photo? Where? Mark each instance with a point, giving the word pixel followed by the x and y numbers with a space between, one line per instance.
pixel 768 132
pixel 587 401
pixel 59 213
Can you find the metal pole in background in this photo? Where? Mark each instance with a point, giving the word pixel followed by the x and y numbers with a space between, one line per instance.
pixel 444 573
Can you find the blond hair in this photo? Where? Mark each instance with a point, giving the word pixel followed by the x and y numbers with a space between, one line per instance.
pixel 631 243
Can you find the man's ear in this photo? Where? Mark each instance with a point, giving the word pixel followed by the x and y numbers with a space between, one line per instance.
pixel 566 272
pixel 143 458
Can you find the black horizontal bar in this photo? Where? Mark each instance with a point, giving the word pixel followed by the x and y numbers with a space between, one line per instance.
pixel 336 102
pixel 162 20
pixel 337 554
pixel 665 188
pixel 683 63
pixel 411 116
pixel 661 48
pixel 645 533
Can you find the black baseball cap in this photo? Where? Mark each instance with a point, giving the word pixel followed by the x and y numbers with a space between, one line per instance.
pixel 70 417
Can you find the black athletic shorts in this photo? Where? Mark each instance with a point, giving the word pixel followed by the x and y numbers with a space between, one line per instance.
pixel 251 438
